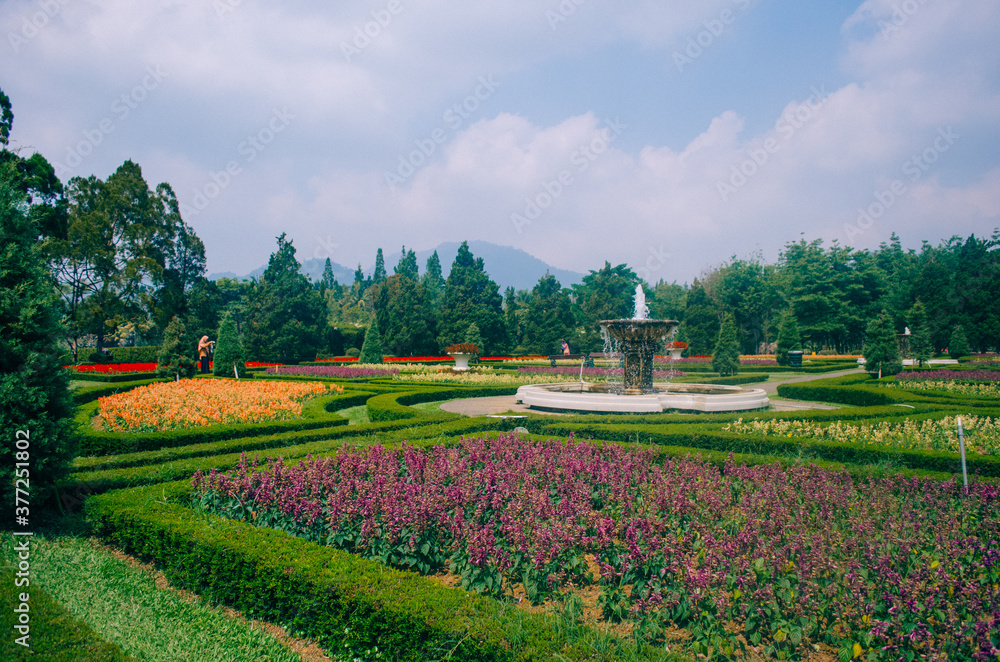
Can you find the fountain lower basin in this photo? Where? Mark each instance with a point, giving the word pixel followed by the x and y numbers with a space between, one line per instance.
pixel 587 397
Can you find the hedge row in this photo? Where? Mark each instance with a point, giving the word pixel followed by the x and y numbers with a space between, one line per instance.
pixel 396 405
pixel 55 634
pixel 323 593
pixel 866 393
pixel 162 466
pixel 317 413
pixel 703 437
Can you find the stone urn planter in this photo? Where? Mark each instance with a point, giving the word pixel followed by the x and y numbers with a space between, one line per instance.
pixel 461 360
pixel 676 347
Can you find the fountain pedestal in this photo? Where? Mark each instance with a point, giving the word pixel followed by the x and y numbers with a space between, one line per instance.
pixel 637 340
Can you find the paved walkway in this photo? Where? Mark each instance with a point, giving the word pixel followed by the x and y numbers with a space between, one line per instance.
pixel 504 404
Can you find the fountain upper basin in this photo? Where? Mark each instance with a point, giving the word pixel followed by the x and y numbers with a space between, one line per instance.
pixel 583 396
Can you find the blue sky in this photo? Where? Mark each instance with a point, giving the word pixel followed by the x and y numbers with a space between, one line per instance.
pixel 666 135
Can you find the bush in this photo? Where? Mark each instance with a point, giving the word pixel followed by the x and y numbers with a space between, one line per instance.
pixel 353 353
pixel 142 354
pixel 173 360
pixel 229 360
pixel 371 351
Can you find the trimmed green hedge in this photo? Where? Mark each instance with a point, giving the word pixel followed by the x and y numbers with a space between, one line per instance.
pixel 322 592
pixel 112 378
pixel 865 392
pixel 143 354
pixel 396 405
pixel 56 635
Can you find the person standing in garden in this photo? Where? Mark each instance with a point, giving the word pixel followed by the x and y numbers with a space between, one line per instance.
pixel 204 351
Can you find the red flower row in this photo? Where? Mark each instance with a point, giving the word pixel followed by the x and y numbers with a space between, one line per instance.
pixel 114 368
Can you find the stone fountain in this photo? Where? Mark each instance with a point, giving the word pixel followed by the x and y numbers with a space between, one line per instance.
pixel 636 341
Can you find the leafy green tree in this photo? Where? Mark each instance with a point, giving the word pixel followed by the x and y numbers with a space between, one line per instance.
pixel 229 356
pixel 175 359
pixel 513 312
pixel 920 335
pixel 788 337
pixel 748 290
pixel 471 297
pixel 34 396
pixel 669 301
pixel 371 349
pixel 881 350
pixel 549 317
pixel 958 345
pixel 116 246
pixel 605 294
pixel 285 316
pixel 817 292
pixel 701 322
pixel 726 357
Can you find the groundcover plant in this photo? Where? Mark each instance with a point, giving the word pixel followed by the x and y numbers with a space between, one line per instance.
pixel 780 560
pixel 197 402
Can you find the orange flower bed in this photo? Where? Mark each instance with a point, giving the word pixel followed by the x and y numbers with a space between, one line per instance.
pixel 200 402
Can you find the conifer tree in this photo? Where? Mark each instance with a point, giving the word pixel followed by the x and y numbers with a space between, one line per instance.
pixel 726 357
pixel 175 356
pixel 881 350
pixel 36 410
pixel 473 337
pixel 958 345
pixel 229 358
pixel 920 334
pixel 789 338
pixel 371 349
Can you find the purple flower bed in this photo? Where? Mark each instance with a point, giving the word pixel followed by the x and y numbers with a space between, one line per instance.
pixel 771 557
pixel 758 362
pixel 593 372
pixel 952 375
pixel 335 371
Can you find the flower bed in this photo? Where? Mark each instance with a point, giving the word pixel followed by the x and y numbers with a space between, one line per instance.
pixel 592 372
pixel 765 557
pixel 982 433
pixel 951 375
pixel 198 402
pixel 986 390
pixel 338 372
pixel 113 368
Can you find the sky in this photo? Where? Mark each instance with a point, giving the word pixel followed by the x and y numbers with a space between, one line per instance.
pixel 667 135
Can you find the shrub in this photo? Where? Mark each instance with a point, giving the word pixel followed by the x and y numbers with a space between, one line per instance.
pixel 726 357
pixel 353 353
pixel 958 345
pixel 881 350
pixel 173 360
pixel 788 337
pixel 229 359
pixel 371 351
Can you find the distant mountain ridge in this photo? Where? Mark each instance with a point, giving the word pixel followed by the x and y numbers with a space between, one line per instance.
pixel 506 266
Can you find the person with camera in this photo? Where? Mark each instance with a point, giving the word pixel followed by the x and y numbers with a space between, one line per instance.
pixel 205 350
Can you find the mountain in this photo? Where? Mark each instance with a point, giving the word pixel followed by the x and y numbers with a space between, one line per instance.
pixel 507 266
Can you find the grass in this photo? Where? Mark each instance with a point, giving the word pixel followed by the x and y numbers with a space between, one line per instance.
pixel 124 606
pixel 355 415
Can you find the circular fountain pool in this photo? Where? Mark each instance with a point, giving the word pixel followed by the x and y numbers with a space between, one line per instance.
pixel 587 397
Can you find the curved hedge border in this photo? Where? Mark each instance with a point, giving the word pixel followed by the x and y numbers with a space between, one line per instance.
pixel 864 392
pixel 322 592
pixel 396 405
